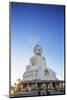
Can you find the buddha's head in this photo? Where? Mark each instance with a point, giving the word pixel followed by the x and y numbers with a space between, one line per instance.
pixel 38 50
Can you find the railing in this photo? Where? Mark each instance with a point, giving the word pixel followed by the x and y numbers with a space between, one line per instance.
pixel 35 88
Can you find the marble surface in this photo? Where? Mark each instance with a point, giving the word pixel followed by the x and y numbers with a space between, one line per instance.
pixel 38 69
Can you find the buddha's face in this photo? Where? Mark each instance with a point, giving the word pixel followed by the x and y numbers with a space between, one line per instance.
pixel 37 50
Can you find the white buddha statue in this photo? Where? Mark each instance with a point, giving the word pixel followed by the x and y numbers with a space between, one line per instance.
pixel 37 69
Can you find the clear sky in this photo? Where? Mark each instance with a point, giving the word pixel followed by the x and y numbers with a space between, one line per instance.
pixel 33 24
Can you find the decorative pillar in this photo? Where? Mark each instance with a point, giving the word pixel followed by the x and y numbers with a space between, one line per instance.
pixel 28 87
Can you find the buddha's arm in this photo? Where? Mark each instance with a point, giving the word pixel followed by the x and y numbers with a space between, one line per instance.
pixel 31 62
pixel 45 62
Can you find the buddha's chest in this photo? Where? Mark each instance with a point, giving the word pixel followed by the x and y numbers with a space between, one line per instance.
pixel 38 61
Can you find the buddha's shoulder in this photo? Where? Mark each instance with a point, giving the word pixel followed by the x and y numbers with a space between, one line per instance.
pixel 35 57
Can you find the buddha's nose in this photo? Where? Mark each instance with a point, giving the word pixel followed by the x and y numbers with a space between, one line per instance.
pixel 39 49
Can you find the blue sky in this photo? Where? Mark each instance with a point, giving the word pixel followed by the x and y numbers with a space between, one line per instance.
pixel 33 24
